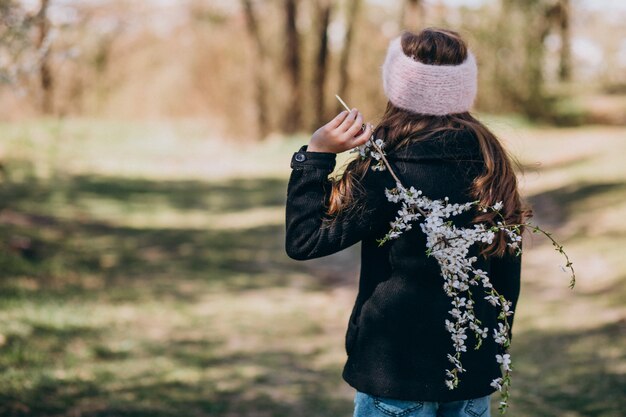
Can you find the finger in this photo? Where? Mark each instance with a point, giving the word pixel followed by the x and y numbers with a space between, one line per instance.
pixel 363 137
pixel 347 122
pixel 356 126
pixel 336 121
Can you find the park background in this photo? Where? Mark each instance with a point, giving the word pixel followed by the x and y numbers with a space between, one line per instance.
pixel 144 159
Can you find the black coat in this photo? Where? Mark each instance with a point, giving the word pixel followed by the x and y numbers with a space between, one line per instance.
pixel 396 341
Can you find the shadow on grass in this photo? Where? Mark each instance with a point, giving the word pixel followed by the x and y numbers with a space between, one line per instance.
pixel 119 256
pixel 227 195
pixel 53 268
pixel 282 385
pixel 573 373
pixel 559 164
pixel 556 207
pixel 53 368
pixel 556 373
pixel 45 245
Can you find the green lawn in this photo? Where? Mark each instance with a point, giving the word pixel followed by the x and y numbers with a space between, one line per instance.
pixel 143 274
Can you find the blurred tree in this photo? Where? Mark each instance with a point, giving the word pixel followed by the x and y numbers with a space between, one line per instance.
pixel 523 27
pixel 114 58
pixel 293 116
pixel 25 45
pixel 260 81
pixel 14 42
pixel 13 39
pixel 354 7
pixel 537 21
pixel 45 73
pixel 323 13
pixel 565 66
pixel 412 14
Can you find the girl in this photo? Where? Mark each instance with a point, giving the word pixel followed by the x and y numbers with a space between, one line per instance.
pixel 397 343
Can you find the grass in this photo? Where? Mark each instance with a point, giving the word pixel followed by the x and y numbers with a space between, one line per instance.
pixel 143 273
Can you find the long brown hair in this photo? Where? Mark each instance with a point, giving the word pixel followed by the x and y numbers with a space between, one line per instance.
pixel 497 182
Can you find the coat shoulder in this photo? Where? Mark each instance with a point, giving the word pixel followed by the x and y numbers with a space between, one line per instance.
pixel 448 144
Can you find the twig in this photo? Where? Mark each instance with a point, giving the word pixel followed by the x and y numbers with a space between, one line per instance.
pixel 382 155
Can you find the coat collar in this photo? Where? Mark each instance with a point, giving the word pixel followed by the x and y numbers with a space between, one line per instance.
pixel 452 144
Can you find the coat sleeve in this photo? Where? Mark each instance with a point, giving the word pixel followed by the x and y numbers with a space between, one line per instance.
pixel 506 279
pixel 308 192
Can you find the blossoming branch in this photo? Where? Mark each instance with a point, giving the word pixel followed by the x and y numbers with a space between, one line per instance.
pixel 450 246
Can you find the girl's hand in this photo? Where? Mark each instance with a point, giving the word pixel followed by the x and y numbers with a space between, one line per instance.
pixel 341 133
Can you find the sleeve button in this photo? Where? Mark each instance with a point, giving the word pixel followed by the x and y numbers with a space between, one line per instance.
pixel 300 157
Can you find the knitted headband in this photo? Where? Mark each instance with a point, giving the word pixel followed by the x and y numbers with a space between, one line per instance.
pixel 428 89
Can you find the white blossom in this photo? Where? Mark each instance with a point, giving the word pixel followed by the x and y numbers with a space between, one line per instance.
pixel 500 335
pixel 369 150
pixel 493 300
pixel 497 383
pixel 505 360
pixel 450 245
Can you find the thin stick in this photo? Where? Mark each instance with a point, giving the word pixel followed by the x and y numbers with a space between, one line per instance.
pixel 380 151
pixel 342 102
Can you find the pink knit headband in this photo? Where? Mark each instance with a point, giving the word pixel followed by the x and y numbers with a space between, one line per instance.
pixel 428 89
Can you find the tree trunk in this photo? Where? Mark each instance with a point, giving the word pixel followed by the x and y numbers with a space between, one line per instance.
pixel 46 81
pixel 293 115
pixel 319 79
pixel 260 80
pixel 412 15
pixel 565 64
pixel 538 27
pixel 506 80
pixel 344 81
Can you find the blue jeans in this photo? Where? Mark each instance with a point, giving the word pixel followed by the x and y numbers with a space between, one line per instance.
pixel 366 405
